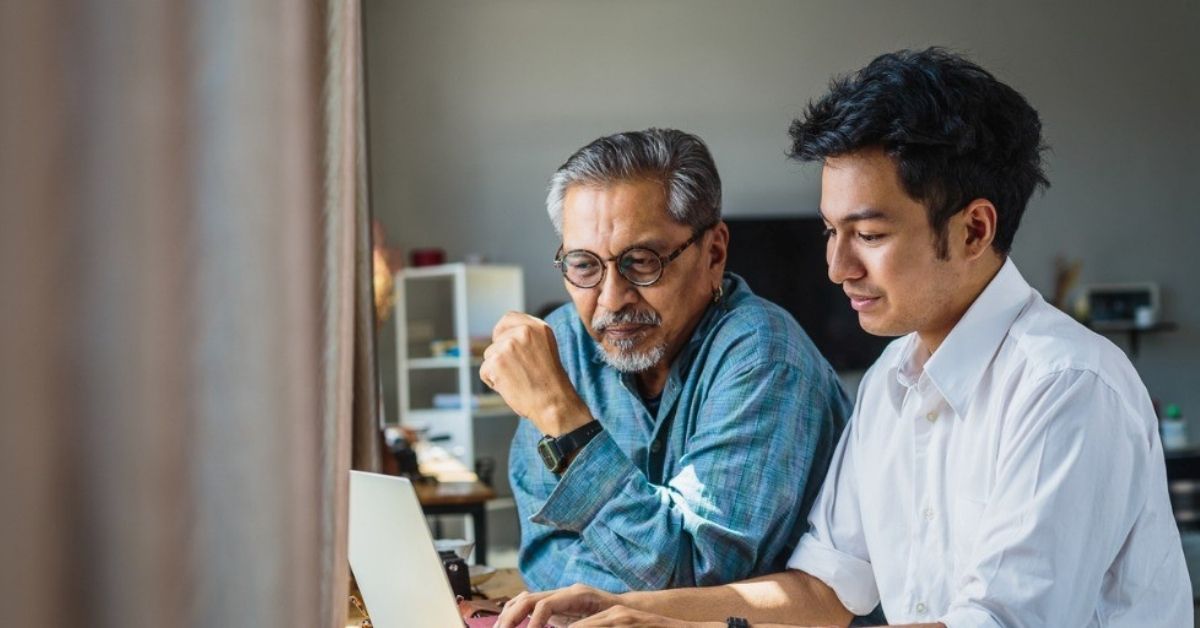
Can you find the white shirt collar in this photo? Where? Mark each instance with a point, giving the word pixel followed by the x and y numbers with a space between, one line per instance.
pixel 959 363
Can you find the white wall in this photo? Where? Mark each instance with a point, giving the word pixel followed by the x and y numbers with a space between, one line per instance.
pixel 472 104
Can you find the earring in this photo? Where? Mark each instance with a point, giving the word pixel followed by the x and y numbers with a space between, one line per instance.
pixel 718 292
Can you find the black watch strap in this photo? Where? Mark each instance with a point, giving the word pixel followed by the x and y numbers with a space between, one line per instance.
pixel 556 452
pixel 574 440
pixel 736 622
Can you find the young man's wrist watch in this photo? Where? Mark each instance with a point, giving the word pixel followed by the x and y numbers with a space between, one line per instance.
pixel 556 452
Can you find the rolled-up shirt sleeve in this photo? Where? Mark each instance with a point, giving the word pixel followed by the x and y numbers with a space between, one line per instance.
pixel 834 550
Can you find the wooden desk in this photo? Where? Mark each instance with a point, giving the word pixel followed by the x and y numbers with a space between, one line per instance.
pixel 505 583
pixel 458 491
pixel 460 498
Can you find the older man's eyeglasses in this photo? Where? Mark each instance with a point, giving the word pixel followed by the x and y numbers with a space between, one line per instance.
pixel 639 265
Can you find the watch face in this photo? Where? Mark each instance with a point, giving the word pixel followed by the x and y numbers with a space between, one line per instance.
pixel 548 450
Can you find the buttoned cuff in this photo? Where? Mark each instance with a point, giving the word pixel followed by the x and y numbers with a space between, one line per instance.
pixel 852 579
pixel 969 617
pixel 595 476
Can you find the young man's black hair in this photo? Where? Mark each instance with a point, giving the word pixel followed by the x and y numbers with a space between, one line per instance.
pixel 955 132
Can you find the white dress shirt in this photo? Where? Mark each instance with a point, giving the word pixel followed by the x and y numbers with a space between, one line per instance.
pixel 1013 478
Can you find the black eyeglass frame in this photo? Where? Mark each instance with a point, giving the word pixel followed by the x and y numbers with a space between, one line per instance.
pixel 663 260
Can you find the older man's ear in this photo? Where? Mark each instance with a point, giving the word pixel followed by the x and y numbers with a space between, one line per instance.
pixel 718 248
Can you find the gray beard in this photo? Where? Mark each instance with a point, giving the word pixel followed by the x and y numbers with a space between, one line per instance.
pixel 627 360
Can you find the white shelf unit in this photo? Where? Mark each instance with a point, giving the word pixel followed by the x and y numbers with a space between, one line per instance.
pixel 451 302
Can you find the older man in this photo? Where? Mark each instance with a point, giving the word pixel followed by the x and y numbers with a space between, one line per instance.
pixel 675 420
pixel 1003 466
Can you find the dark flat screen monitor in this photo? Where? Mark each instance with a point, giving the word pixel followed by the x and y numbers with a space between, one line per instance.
pixel 783 260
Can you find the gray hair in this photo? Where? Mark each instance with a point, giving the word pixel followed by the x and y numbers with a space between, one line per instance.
pixel 678 160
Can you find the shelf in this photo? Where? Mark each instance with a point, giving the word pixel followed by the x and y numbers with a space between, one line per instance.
pixel 493 412
pixel 501 503
pixel 451 362
pixel 430 272
pixel 478 413
pixel 1132 332
pixel 1125 328
pixel 443 271
pixel 458 302
pixel 417 364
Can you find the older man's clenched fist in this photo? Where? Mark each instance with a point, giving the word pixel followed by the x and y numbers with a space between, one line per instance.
pixel 522 365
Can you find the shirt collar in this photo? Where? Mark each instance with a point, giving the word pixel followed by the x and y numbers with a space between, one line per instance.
pixel 957 366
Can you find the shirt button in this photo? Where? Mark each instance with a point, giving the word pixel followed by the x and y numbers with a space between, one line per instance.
pixel 920 608
pixel 931 417
pixel 655 446
pixel 927 513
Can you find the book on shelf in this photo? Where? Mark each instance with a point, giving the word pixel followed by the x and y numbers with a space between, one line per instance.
pixel 453 401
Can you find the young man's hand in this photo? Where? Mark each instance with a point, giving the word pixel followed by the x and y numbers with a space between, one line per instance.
pixel 576 601
pixel 624 616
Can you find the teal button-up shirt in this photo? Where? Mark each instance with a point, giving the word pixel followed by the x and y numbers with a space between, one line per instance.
pixel 714 487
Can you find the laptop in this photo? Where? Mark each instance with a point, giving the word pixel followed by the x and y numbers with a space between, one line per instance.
pixel 393 559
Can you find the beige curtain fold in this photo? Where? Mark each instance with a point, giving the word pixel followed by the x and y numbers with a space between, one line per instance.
pixel 367 435
pixel 355 428
pixel 182 210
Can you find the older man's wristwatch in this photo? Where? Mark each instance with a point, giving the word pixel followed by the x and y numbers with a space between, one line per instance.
pixel 556 452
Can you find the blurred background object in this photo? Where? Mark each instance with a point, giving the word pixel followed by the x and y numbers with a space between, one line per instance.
pixel 385 263
pixel 1066 276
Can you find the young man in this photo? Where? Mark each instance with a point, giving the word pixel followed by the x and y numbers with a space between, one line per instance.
pixel 674 420
pixel 1003 466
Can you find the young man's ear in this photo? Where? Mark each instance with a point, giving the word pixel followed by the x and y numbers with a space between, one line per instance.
pixel 979 227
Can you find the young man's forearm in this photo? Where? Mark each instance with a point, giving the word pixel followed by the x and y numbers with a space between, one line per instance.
pixel 938 625
pixel 789 597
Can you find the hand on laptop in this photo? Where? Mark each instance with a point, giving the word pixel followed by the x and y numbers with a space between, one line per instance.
pixel 522 365
pixel 574 601
pixel 581 606
pixel 623 616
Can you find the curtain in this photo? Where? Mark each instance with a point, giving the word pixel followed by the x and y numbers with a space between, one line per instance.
pixel 180 286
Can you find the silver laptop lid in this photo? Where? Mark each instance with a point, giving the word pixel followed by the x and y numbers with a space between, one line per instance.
pixel 391 552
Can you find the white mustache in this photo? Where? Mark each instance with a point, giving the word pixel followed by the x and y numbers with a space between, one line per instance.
pixel 604 320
